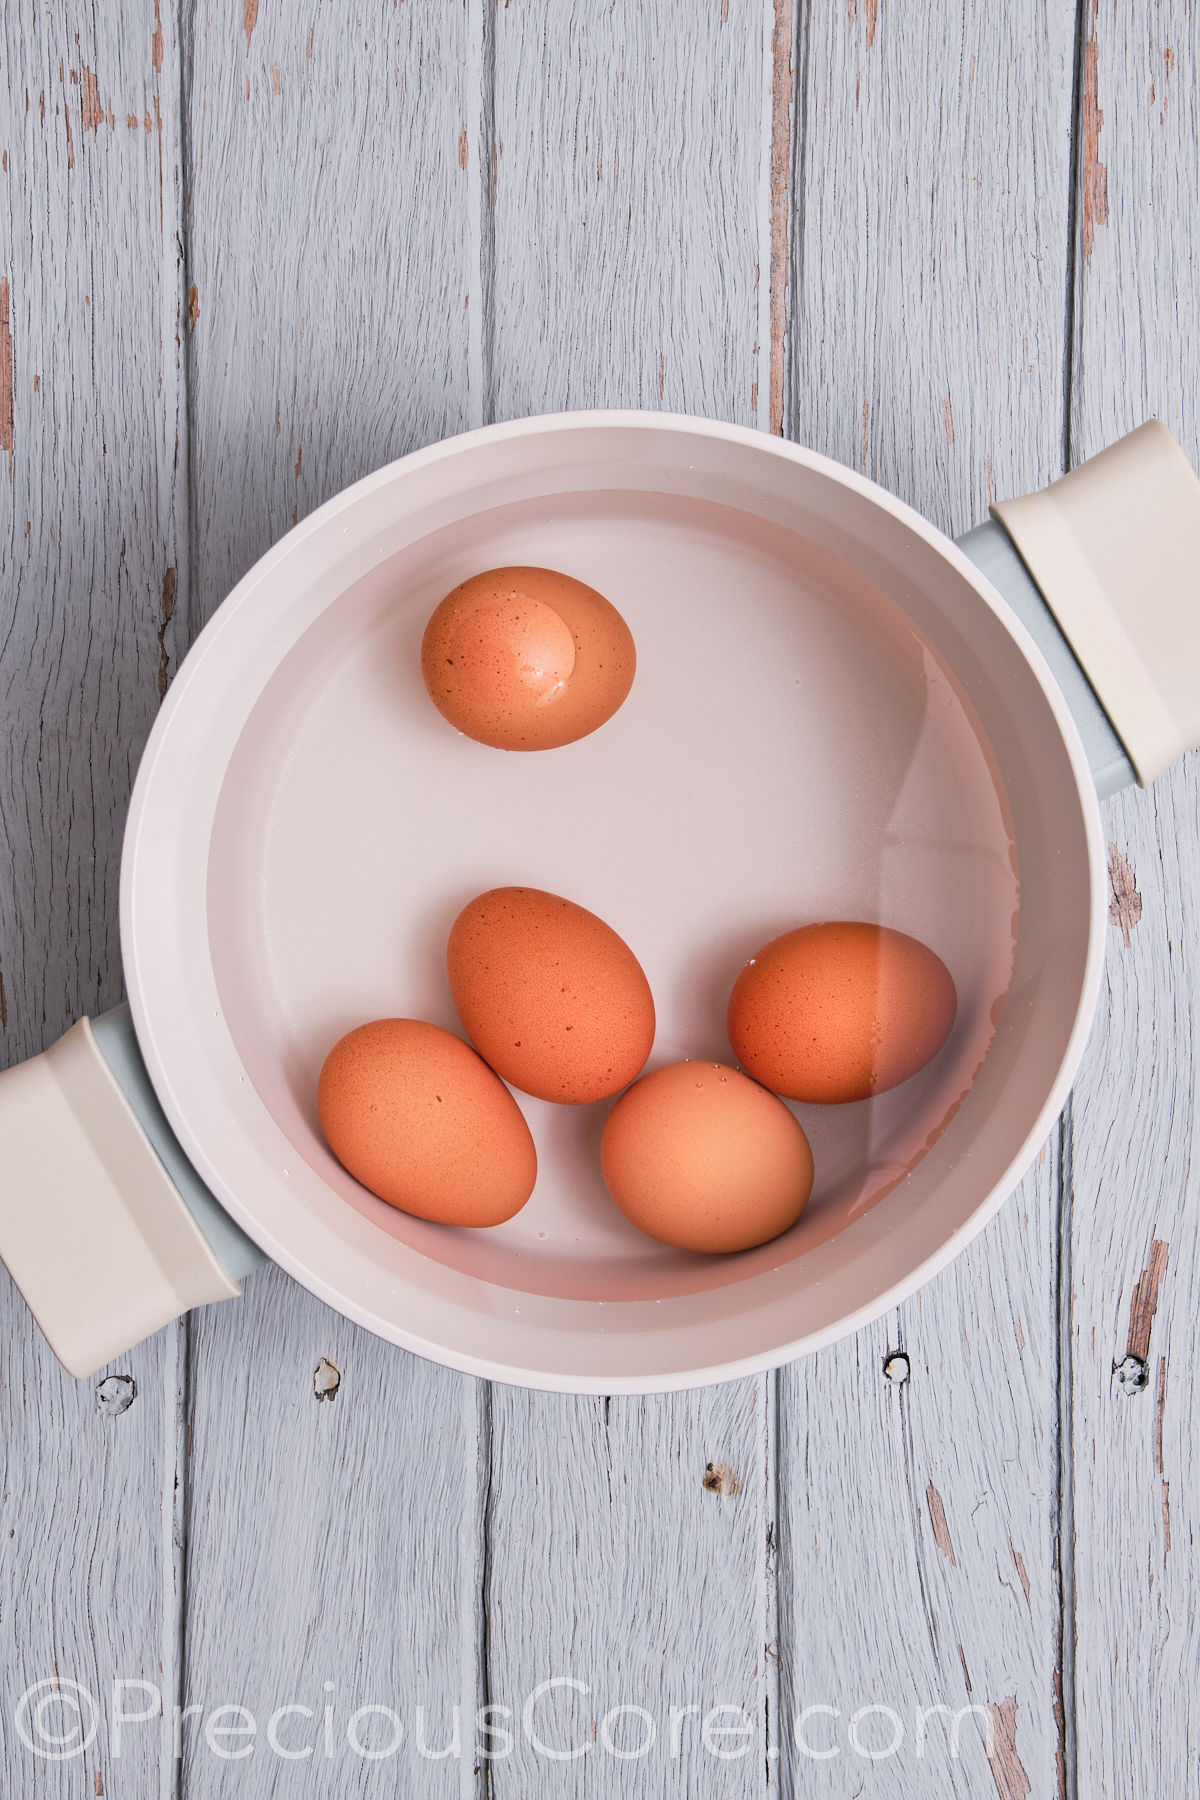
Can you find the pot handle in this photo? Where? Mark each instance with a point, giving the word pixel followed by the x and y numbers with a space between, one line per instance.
pixel 105 1227
pixel 1113 552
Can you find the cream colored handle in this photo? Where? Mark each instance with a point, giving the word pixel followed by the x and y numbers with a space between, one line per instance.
pixel 1115 549
pixel 93 1229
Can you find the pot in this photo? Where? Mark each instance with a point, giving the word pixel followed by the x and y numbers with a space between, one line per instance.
pixel 838 712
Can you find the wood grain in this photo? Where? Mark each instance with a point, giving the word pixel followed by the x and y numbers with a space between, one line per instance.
pixel 330 207
pixel 89 488
pixel 89 520
pixel 90 1540
pixel 328 222
pixel 627 234
pixel 917 1531
pixel 1135 1242
pixel 626 272
pixel 334 1554
pixel 365 230
pixel 930 266
pixel 628 1553
pixel 918 1523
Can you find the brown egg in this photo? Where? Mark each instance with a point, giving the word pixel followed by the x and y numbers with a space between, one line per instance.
pixel 549 994
pixel 699 1156
pixel 418 1118
pixel 839 1012
pixel 526 659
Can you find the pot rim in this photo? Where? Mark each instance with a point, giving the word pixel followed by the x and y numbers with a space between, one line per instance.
pixel 144 1009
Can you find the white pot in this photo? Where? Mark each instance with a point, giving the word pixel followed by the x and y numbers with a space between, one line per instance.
pixel 304 826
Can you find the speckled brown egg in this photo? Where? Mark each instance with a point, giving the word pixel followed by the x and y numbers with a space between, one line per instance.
pixel 415 1115
pixel 701 1157
pixel 838 1012
pixel 549 994
pixel 526 659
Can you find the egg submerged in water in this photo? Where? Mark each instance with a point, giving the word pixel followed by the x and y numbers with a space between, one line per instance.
pixel 415 1115
pixel 700 1157
pixel 527 659
pixel 838 1012
pixel 549 995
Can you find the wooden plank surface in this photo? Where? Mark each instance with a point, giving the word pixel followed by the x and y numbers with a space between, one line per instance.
pixel 329 1541
pixel 334 1556
pixel 628 1555
pixel 626 272
pixel 930 264
pixel 88 485
pixel 626 261
pixel 918 1520
pixel 395 224
pixel 89 522
pixel 918 1581
pixel 330 209
pixel 1135 1202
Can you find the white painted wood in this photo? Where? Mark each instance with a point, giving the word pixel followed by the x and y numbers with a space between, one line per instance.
pixel 89 1564
pixel 628 1552
pixel 1136 1172
pixel 625 247
pixel 88 486
pixel 366 278
pixel 89 414
pixel 918 1527
pixel 930 267
pixel 918 1532
pixel 334 1557
pixel 331 195
pixel 328 1540
pixel 626 234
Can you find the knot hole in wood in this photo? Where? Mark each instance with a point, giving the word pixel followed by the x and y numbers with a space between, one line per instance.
pixel 115 1395
pixel 719 1478
pixel 327 1379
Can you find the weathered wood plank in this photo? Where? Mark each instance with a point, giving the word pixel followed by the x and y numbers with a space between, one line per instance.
pixel 329 272
pixel 628 1557
pixel 1135 1241
pixel 627 236
pixel 332 201
pixel 930 257
pixel 960 1458
pixel 918 1563
pixel 89 518
pixel 333 1557
pixel 918 1483
pixel 89 1565
pixel 89 485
